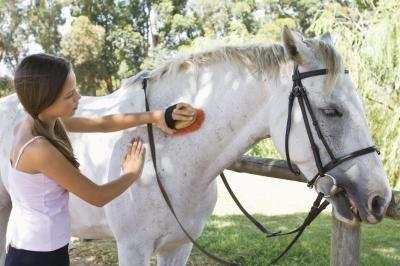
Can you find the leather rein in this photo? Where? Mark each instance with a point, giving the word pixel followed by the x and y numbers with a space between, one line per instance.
pixel 299 92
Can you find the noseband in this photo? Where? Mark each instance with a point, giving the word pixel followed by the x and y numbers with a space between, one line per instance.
pixel 299 92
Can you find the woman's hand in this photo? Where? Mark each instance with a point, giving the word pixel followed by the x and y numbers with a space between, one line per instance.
pixel 133 160
pixel 178 114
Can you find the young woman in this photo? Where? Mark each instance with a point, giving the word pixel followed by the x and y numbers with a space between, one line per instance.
pixel 43 169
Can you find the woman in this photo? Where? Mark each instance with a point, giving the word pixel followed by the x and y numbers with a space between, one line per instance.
pixel 43 168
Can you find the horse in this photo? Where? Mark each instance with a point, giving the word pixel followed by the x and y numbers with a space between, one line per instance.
pixel 243 92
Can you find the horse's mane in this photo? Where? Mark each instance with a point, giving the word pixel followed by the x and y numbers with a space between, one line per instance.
pixel 258 59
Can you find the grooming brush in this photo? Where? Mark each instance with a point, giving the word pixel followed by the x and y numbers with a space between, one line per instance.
pixel 184 127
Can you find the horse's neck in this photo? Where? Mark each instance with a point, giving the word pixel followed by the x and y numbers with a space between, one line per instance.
pixel 235 105
pixel 125 100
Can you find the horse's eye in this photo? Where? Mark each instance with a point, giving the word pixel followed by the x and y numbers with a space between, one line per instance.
pixel 332 112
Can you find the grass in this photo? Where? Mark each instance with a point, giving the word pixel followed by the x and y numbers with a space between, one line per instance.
pixel 235 239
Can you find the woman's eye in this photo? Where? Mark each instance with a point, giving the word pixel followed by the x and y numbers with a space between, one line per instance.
pixel 332 112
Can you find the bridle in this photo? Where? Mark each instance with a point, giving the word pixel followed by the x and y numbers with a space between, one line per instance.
pixel 299 92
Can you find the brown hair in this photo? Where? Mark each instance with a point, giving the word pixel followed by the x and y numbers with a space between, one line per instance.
pixel 39 80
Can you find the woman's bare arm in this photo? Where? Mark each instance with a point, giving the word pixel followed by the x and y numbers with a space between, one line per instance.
pixel 49 161
pixel 116 122
pixel 110 123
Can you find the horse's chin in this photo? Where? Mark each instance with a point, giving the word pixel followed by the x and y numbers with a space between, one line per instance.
pixel 345 210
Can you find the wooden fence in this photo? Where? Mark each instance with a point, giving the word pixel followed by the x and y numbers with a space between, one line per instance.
pixel 345 242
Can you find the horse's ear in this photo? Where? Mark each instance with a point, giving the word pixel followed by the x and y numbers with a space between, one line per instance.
pixel 326 38
pixel 294 45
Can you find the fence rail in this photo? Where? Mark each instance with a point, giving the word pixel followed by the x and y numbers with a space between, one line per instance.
pixel 345 242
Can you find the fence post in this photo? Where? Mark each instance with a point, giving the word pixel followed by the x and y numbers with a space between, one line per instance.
pixel 345 244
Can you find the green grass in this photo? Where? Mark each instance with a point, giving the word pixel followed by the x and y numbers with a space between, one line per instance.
pixel 235 239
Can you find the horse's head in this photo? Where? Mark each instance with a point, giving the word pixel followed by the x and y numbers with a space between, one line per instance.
pixel 338 109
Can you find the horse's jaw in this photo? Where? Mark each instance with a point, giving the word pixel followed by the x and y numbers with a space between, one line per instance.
pixel 345 210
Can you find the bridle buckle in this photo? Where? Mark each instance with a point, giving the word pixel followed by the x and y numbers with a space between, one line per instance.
pixel 327 185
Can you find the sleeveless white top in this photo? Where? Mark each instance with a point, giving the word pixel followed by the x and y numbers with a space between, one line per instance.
pixel 39 218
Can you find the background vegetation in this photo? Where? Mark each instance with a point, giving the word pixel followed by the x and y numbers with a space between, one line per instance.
pixel 111 40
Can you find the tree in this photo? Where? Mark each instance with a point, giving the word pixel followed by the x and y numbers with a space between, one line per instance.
pixel 13 33
pixel 43 19
pixel 83 46
pixel 128 30
pixel 6 85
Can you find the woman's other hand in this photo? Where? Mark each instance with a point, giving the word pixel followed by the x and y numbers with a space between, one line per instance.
pixel 133 159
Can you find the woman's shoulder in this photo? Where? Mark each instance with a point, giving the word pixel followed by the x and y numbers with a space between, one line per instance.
pixel 29 152
pixel 26 147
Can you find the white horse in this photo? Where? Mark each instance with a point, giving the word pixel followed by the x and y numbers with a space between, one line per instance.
pixel 244 94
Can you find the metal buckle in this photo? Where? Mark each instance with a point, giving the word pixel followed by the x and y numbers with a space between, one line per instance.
pixel 326 184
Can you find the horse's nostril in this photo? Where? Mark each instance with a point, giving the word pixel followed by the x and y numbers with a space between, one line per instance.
pixel 377 206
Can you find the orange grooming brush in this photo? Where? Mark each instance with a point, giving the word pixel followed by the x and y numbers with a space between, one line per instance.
pixel 185 127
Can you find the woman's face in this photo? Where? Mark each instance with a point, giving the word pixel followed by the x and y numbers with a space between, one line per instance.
pixel 67 103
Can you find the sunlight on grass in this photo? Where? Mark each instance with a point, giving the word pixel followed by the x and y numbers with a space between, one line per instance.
pixel 221 224
pixel 388 252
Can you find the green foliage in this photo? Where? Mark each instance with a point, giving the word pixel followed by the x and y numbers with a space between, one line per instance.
pixel 128 44
pixel 271 31
pixel 44 19
pixel 369 41
pixel 83 46
pixel 13 32
pixel 264 149
pixel 6 86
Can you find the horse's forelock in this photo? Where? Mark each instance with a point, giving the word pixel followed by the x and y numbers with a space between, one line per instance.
pixel 332 60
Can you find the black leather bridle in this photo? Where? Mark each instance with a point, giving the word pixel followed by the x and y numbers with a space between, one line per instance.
pixel 299 92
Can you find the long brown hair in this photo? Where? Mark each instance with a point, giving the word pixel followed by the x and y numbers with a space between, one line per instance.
pixel 39 80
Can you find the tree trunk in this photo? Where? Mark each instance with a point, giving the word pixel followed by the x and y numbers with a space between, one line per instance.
pixel 345 244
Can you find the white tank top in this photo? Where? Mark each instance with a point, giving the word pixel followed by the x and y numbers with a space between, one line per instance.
pixel 39 218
